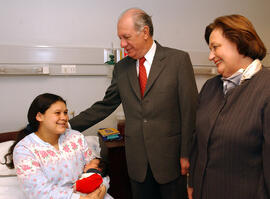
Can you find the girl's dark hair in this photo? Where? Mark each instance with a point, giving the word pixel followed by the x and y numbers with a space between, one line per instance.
pixel 40 104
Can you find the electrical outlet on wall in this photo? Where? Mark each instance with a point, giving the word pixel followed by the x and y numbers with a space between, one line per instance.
pixel 67 69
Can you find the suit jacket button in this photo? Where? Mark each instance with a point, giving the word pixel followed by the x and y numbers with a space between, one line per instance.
pixel 145 120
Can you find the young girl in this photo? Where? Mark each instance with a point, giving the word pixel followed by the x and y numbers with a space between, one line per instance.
pixel 47 156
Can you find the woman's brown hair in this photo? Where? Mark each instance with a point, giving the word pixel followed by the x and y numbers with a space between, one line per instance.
pixel 239 30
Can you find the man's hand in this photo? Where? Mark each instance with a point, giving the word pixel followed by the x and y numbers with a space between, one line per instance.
pixel 184 165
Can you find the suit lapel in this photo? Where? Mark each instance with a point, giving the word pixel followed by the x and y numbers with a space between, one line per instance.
pixel 156 68
pixel 216 108
pixel 133 77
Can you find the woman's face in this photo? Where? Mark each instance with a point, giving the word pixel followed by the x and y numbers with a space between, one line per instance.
pixel 54 119
pixel 224 53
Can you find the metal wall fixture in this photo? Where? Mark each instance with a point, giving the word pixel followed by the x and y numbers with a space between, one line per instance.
pixel 24 70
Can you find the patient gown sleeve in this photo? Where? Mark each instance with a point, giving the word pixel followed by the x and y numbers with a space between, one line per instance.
pixel 34 183
pixel 46 173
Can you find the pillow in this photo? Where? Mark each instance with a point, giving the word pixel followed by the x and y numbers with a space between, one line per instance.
pixel 4 170
pixel 93 144
pixel 9 188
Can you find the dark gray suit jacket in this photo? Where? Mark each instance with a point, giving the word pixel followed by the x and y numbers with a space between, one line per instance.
pixel 232 158
pixel 158 127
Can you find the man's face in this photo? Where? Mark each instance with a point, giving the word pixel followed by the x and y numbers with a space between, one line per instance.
pixel 133 41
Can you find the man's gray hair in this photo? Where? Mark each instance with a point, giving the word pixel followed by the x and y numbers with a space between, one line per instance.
pixel 141 19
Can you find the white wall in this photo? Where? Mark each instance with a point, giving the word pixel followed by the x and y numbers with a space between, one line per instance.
pixel 178 23
pixel 92 23
pixel 17 93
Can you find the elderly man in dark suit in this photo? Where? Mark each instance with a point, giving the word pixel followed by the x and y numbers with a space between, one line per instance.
pixel 157 89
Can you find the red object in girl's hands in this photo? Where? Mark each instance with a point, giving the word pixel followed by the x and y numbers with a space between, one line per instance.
pixel 89 184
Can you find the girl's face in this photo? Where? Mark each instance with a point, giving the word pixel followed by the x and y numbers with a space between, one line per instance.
pixel 54 119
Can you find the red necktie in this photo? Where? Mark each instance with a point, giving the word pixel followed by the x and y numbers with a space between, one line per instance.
pixel 142 75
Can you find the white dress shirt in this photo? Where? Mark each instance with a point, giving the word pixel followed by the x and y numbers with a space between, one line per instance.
pixel 148 59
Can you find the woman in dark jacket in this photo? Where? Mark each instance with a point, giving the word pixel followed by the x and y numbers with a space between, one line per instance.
pixel 231 156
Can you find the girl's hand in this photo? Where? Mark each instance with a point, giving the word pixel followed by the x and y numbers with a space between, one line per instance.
pixel 97 194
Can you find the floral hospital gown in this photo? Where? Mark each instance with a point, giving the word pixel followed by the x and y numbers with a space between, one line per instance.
pixel 44 172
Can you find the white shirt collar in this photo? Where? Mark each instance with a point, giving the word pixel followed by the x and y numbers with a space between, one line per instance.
pixel 241 75
pixel 247 73
pixel 251 70
pixel 149 56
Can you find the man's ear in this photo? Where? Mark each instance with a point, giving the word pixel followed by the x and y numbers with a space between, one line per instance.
pixel 146 32
pixel 39 117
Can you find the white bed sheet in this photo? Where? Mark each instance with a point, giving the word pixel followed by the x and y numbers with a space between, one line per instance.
pixel 9 188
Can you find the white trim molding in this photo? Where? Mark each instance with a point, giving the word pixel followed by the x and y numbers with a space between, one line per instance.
pixel 47 60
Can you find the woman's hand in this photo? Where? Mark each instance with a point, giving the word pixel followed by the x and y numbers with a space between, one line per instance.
pixel 190 192
pixel 184 162
pixel 97 194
